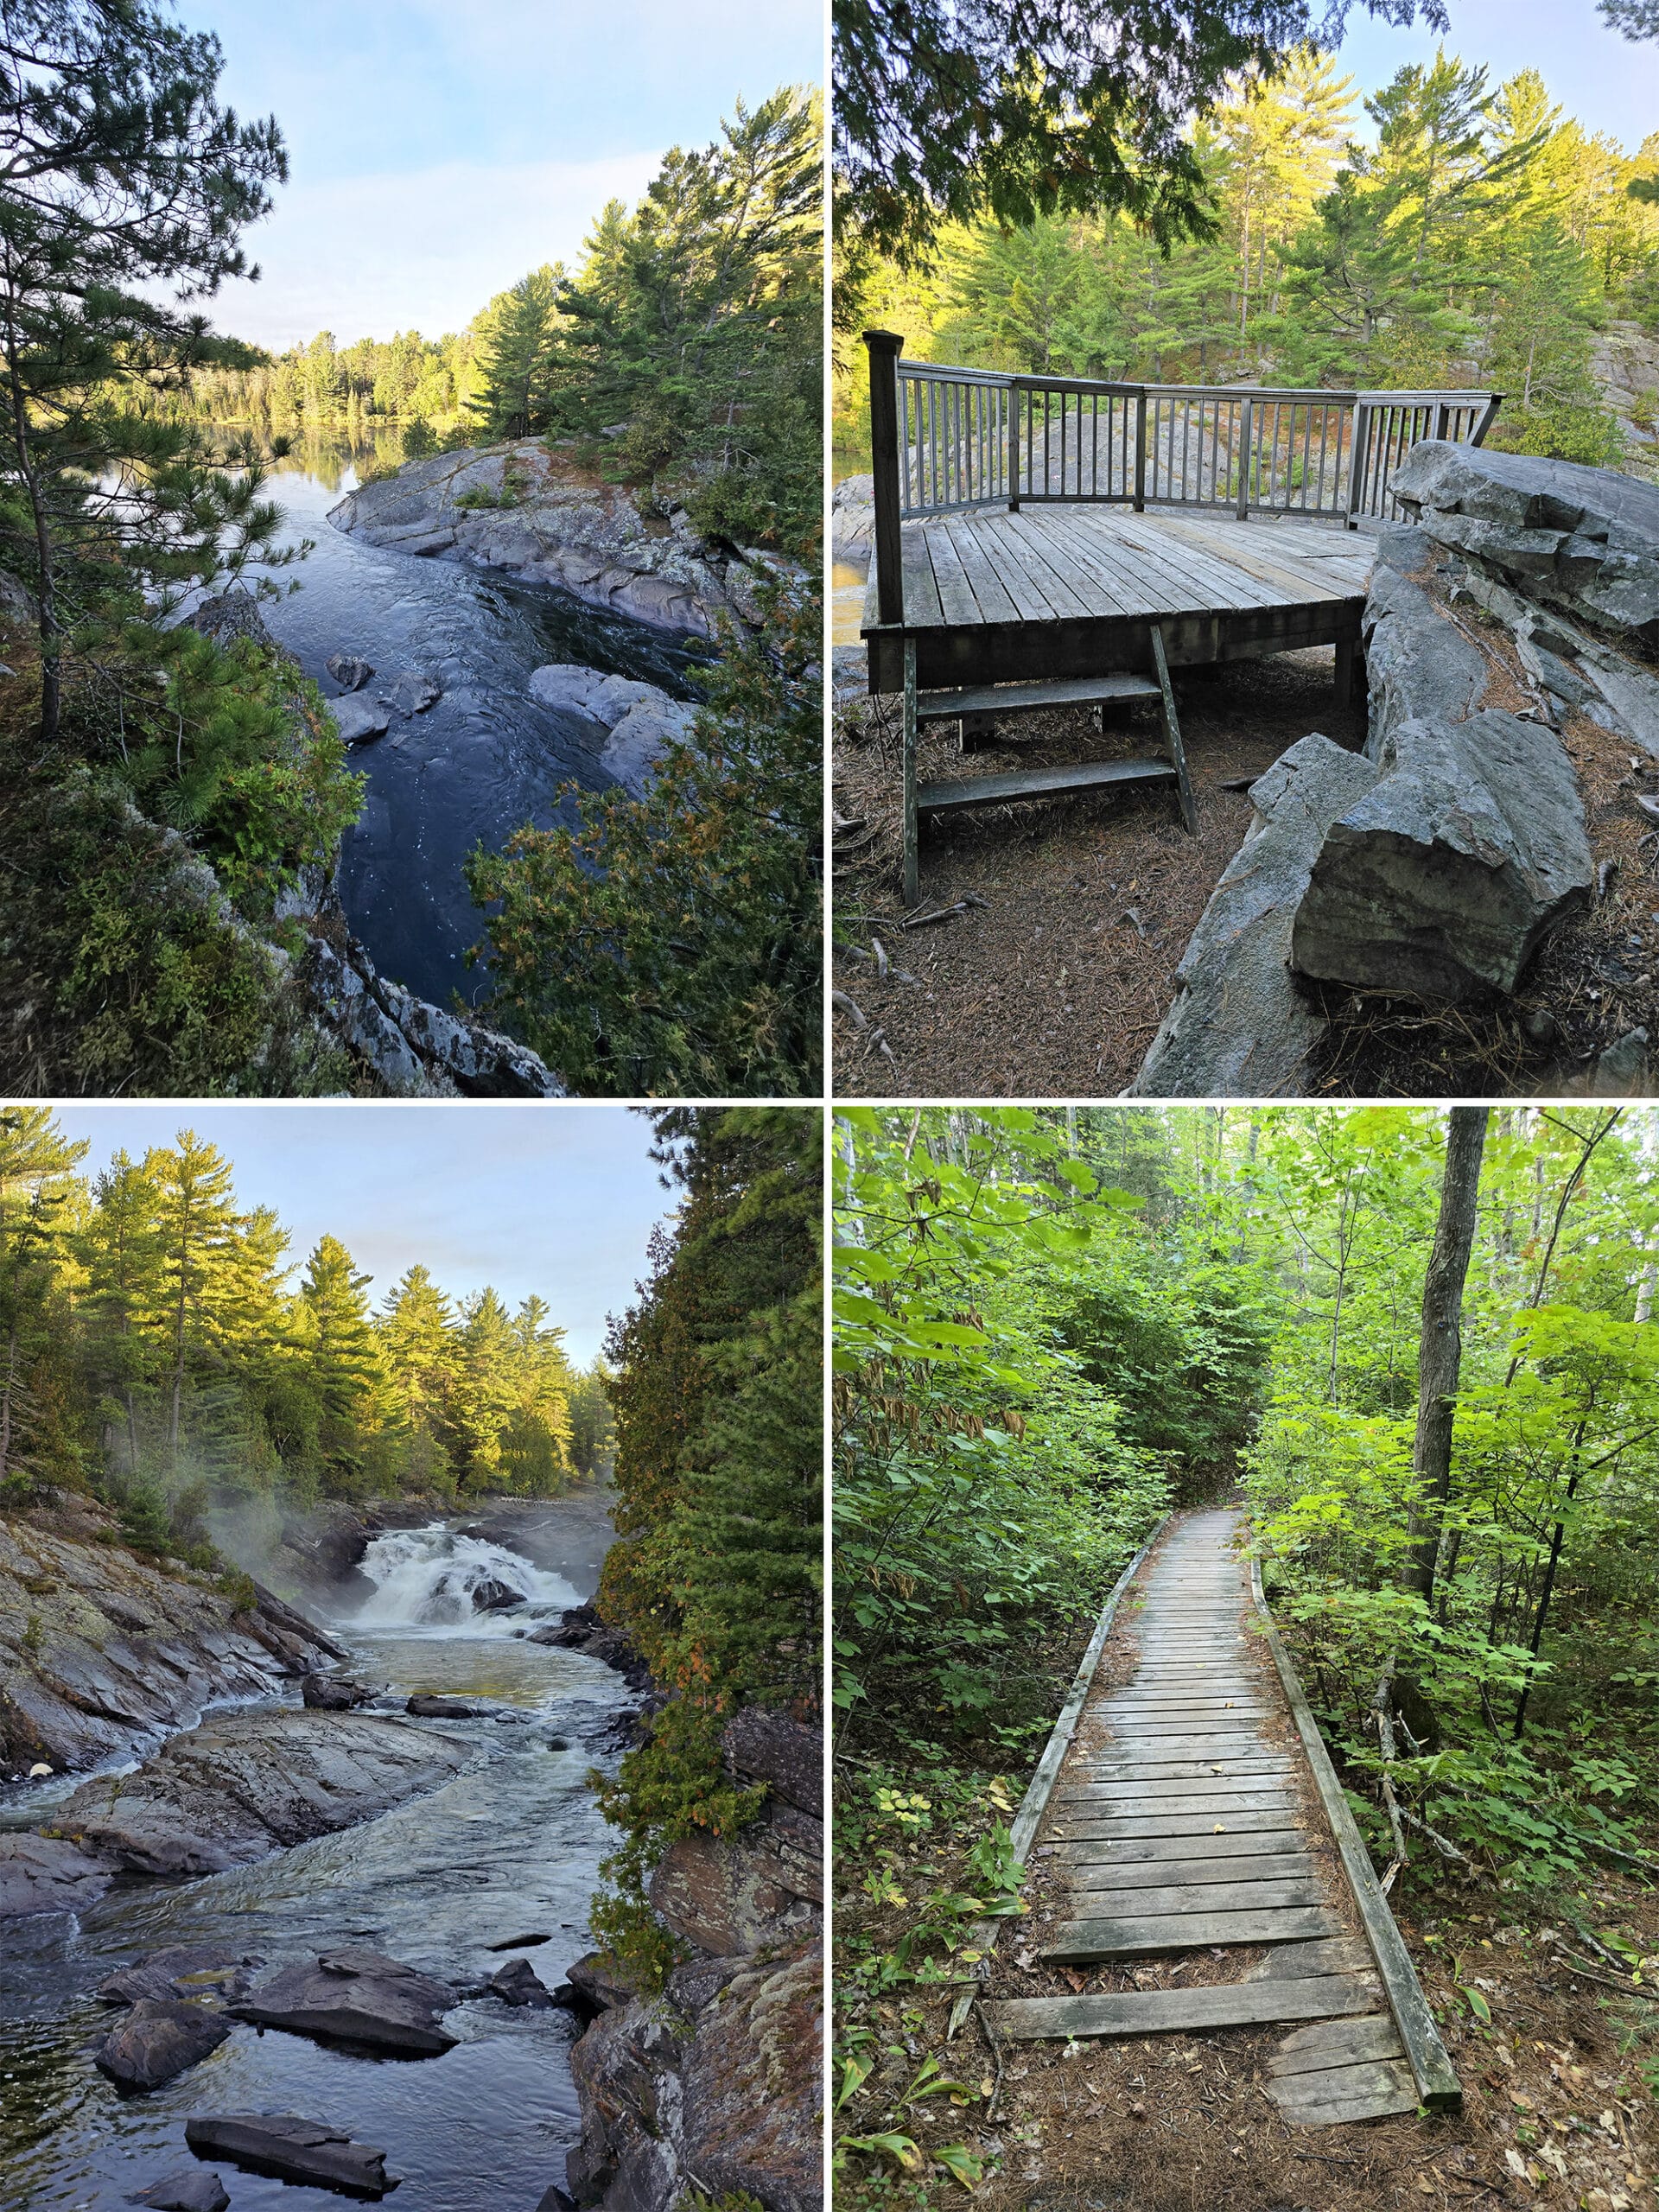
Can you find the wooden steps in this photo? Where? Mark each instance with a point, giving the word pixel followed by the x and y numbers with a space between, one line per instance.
pixel 1001 699
pixel 1191 1816
pixel 1037 783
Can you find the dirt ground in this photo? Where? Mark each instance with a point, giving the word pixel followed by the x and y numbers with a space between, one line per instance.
pixel 1555 2110
pixel 1053 980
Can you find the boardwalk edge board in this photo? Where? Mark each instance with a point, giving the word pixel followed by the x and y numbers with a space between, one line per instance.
pixel 1437 2088
pixel 1035 1804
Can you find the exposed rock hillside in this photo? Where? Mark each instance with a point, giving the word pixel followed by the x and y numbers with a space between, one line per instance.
pixel 535 514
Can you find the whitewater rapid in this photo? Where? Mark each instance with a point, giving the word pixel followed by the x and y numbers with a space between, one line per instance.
pixel 428 1581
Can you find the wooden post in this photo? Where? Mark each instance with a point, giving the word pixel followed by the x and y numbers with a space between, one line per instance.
pixel 1346 648
pixel 1013 450
pixel 1440 415
pixel 1141 451
pixel 1173 733
pixel 1245 428
pixel 1488 416
pixel 884 348
pixel 913 864
pixel 1357 462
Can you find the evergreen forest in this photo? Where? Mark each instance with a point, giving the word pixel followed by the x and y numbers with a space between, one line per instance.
pixel 162 1348
pixel 716 1573
pixel 1055 1326
pixel 1454 227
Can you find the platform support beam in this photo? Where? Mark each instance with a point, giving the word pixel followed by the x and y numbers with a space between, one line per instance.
pixel 1173 733
pixel 884 347
pixel 912 859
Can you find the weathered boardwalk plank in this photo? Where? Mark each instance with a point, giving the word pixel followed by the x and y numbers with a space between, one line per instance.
pixel 1191 1815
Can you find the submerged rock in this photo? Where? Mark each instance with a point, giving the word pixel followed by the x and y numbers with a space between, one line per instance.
pixel 292 2149
pixel 181 1970
pixel 441 1708
pixel 413 692
pixel 349 670
pixel 518 1983
pixel 359 1996
pixel 198 2189
pixel 159 2039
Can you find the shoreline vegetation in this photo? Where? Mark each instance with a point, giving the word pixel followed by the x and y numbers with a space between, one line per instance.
pixel 165 791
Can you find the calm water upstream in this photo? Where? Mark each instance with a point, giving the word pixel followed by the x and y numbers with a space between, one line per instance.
pixel 481 764
pixel 509 1848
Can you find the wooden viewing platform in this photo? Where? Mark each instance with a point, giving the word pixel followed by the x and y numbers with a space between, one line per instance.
pixel 1053 531
pixel 1195 1808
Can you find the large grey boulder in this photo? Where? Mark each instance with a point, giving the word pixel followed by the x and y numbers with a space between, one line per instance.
pixel 1239 1027
pixel 357 718
pixel 1585 539
pixel 1441 881
pixel 292 2149
pixel 641 718
pixel 356 1996
pixel 181 1970
pixel 198 2189
pixel 159 2039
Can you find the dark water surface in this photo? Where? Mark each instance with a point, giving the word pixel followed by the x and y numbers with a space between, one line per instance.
pixel 510 1847
pixel 485 761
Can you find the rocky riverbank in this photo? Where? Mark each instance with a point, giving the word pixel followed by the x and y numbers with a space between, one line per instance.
pixel 717 2084
pixel 536 515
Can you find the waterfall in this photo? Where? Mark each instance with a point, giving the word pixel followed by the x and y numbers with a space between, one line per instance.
pixel 437 1579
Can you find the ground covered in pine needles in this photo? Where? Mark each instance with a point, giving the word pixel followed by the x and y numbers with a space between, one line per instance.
pixel 1063 923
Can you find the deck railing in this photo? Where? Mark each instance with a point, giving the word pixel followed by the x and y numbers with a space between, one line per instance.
pixel 946 440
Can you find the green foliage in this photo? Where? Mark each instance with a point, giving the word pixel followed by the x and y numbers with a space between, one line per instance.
pixel 1483 238
pixel 151 1348
pixel 716 1576
pixel 670 944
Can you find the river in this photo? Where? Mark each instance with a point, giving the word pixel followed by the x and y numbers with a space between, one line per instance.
pixel 509 1848
pixel 484 761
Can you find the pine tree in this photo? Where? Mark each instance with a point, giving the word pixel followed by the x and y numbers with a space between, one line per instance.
pixel 513 370
pixel 344 1366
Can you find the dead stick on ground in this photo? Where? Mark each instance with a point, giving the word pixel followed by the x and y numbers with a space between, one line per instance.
pixel 996 2060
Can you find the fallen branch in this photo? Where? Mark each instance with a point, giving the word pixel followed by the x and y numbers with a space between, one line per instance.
pixel 1442 1843
pixel 840 1000
pixel 939 914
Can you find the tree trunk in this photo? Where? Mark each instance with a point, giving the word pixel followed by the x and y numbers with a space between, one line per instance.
pixel 1440 1346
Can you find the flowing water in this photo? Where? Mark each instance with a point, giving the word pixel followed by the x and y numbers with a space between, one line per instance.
pixel 509 1848
pixel 479 765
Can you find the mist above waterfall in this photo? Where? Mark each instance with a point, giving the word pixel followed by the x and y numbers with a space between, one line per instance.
pixel 437 1580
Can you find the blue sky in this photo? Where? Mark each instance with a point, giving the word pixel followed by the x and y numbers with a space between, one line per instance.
pixel 439 148
pixel 556 1199
pixel 1600 78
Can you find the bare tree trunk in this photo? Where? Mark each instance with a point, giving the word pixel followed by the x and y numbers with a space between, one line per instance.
pixel 1440 1346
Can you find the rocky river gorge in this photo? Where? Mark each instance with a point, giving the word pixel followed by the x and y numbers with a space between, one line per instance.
pixel 321 1872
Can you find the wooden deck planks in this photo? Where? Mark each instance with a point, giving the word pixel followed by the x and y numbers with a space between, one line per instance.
pixel 1179 1823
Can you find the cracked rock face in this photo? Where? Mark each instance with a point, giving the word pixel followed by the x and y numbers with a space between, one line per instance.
pixel 530 512
pixel 1583 539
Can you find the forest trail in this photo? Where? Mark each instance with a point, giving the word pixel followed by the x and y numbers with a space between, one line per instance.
pixel 1186 1821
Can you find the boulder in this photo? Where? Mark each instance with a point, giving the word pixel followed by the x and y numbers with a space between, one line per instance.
pixel 1584 539
pixel 626 2073
pixel 356 1996
pixel 181 1970
pixel 158 2039
pixel 1441 881
pixel 231 617
pixel 358 719
pixel 518 1983
pixel 412 692
pixel 555 2200
pixel 637 743
pixel 349 670
pixel 1621 1070
pixel 441 1708
pixel 198 2189
pixel 596 1986
pixel 291 2149
pixel 49 1874
pixel 492 1596
pixel 1238 1027
pixel 522 1943
pixel 334 1692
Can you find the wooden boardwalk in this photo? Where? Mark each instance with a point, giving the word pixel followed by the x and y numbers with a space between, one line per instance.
pixel 1076 589
pixel 1192 1812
